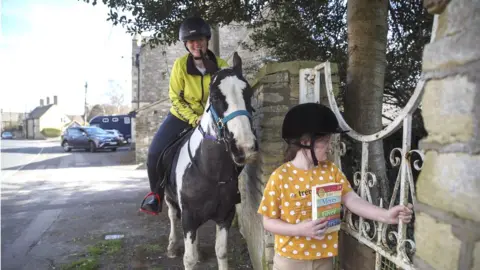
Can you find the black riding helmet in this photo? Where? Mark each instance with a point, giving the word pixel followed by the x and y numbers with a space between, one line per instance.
pixel 194 28
pixel 312 119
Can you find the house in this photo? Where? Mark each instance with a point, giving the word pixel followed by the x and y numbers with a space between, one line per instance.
pixel 45 116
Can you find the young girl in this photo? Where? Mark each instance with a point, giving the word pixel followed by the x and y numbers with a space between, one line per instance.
pixel 301 243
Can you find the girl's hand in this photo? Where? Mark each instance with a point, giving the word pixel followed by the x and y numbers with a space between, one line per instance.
pixel 312 228
pixel 399 212
pixel 198 120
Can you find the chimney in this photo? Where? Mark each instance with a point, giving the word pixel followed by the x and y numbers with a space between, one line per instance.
pixel 41 102
pixel 55 100
pixel 48 100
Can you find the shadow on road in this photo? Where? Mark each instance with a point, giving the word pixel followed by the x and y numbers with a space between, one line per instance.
pixel 52 150
pixel 123 156
pixel 111 207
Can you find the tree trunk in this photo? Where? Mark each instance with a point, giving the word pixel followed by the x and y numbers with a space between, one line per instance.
pixel 367 40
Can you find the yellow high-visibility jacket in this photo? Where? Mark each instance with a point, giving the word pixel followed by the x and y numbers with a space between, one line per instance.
pixel 189 89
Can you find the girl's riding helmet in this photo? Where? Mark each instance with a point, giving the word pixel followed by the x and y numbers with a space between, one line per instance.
pixel 309 118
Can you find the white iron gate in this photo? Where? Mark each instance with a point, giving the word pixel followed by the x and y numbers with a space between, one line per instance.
pixel 316 86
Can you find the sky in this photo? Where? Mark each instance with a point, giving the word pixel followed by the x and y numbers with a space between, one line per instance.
pixel 52 47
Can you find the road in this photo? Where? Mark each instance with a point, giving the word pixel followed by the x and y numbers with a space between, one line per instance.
pixel 40 181
pixel 55 205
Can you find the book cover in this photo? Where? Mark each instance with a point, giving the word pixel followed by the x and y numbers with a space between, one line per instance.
pixel 326 203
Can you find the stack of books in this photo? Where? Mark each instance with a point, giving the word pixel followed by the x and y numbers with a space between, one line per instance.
pixel 327 203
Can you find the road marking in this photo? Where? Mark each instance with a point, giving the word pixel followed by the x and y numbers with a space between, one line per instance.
pixel 23 166
pixel 29 237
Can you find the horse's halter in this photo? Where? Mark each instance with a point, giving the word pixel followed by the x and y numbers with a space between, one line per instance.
pixel 221 123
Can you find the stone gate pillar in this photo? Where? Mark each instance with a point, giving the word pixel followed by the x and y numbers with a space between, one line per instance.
pixel 276 90
pixel 447 226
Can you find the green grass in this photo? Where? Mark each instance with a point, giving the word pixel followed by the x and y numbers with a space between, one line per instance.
pixel 108 247
pixel 152 247
pixel 90 262
pixel 83 264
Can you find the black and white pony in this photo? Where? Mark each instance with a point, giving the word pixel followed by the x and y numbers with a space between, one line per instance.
pixel 204 173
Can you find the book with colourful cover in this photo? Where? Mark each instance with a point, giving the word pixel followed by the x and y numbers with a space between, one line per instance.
pixel 327 203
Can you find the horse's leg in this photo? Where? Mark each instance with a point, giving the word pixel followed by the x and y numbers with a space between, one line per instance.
pixel 173 237
pixel 190 238
pixel 221 240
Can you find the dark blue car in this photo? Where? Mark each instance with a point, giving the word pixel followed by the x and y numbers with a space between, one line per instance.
pixel 88 138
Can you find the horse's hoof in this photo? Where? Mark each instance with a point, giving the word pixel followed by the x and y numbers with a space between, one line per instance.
pixel 172 252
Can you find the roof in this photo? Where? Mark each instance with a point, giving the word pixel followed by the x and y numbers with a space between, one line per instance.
pixel 39 111
pixel 76 118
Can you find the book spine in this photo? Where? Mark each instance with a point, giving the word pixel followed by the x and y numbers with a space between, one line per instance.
pixel 330 212
pixel 328 201
pixel 333 225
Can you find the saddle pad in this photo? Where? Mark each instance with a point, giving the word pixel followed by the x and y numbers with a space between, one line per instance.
pixel 164 164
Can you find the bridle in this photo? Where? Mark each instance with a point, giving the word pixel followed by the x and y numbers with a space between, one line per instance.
pixel 220 127
pixel 221 123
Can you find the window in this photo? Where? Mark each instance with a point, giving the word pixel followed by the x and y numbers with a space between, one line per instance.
pixel 105 120
pixel 74 132
pixel 115 119
pixel 126 120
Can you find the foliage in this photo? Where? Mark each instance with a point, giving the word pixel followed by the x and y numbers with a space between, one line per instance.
pixel 51 132
pixel 311 30
pixel 162 18
pixel 314 30
pixel 96 110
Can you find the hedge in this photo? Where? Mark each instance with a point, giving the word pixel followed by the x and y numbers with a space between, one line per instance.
pixel 51 132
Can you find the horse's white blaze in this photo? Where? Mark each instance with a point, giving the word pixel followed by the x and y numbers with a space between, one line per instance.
pixel 221 248
pixel 184 161
pixel 232 88
pixel 190 257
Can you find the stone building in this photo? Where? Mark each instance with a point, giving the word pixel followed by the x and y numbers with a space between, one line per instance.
pixel 151 73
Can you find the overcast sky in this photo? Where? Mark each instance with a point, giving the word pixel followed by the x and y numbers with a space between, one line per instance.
pixel 51 47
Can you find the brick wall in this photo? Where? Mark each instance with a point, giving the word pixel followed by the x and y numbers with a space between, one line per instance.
pixel 447 227
pixel 276 90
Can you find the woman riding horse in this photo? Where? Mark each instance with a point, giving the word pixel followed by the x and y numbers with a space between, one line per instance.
pixel 188 92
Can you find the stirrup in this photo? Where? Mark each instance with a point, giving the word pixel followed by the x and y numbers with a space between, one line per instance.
pixel 150 212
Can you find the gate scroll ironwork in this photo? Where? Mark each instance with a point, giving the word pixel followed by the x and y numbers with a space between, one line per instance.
pixel 377 236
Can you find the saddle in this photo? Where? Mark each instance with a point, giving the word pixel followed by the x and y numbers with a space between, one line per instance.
pixel 166 159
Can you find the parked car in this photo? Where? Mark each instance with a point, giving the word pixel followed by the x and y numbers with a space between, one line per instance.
pixel 88 138
pixel 122 123
pixel 8 135
pixel 117 134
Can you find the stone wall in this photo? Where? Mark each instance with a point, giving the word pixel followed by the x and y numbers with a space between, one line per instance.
pixel 276 90
pixel 147 121
pixel 447 226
